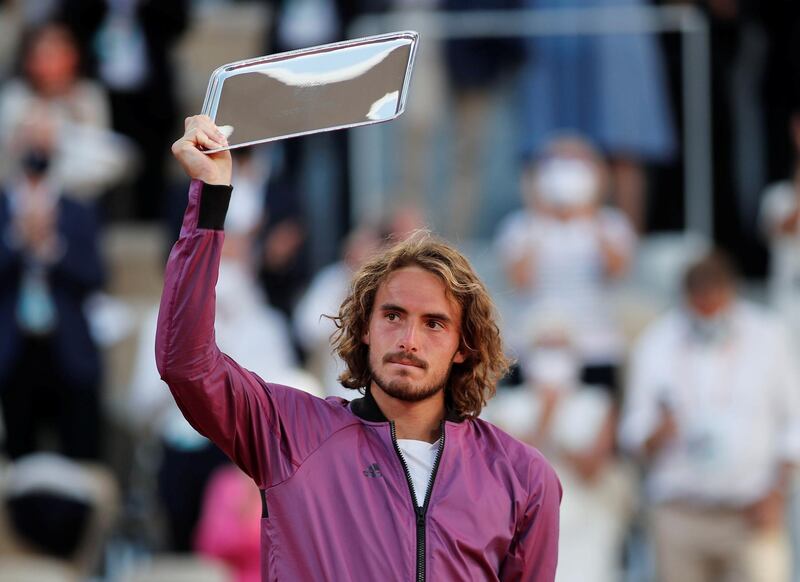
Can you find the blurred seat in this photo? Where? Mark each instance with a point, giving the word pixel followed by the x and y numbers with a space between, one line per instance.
pixel 35 569
pixel 179 568
pixel 47 480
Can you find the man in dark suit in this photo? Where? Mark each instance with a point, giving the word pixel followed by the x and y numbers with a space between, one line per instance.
pixel 49 264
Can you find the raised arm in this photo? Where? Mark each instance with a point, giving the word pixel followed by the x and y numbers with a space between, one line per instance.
pixel 266 429
pixel 185 346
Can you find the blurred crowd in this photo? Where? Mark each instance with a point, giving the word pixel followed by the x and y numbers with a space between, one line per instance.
pixel 656 368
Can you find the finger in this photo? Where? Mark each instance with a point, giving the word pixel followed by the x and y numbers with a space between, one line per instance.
pixel 202 139
pixel 205 137
pixel 210 128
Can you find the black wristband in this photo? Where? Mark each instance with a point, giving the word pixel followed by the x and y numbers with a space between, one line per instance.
pixel 214 200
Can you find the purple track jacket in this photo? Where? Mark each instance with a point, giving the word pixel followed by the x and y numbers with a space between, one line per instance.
pixel 338 503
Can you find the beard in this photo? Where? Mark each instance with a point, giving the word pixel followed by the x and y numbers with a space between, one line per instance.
pixel 404 389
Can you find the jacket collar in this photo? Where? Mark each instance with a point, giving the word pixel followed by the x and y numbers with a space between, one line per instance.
pixel 366 408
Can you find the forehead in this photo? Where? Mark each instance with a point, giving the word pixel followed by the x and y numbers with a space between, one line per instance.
pixel 417 291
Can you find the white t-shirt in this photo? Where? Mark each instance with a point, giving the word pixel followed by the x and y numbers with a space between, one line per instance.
pixel 569 274
pixel 419 457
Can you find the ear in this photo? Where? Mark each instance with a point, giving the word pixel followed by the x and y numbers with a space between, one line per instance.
pixel 365 337
pixel 459 357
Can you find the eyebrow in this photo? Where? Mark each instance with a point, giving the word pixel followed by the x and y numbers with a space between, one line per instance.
pixel 392 307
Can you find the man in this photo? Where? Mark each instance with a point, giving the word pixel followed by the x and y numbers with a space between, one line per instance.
pixel 713 404
pixel 404 483
pixel 50 368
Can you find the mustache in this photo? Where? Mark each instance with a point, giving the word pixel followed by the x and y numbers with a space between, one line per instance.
pixel 405 358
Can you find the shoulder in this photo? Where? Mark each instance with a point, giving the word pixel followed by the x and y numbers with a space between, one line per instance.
pixel 760 320
pixel 778 191
pixel 15 89
pixel 528 467
pixel 662 329
pixel 302 401
pixel 778 200
pixel 614 221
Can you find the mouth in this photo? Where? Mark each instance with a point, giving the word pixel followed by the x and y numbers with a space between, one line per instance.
pixel 407 362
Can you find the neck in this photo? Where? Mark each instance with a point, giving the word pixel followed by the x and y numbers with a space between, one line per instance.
pixel 419 421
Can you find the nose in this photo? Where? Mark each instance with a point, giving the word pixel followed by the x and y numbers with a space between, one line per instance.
pixel 408 339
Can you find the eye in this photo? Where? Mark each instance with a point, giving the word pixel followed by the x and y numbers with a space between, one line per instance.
pixel 391 316
pixel 435 324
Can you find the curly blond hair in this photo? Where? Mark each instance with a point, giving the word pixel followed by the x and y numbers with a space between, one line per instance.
pixel 471 383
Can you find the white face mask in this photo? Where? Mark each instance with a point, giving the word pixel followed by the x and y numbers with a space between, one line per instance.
pixel 710 330
pixel 566 183
pixel 554 368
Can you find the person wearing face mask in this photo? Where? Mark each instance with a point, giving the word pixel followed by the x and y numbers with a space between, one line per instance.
pixel 713 409
pixel 566 248
pixel 49 92
pixel 573 424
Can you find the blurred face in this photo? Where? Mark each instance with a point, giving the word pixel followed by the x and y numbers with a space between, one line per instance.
pixel 52 62
pixel 711 302
pixel 413 336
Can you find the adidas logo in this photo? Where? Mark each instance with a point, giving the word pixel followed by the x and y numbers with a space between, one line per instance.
pixel 373 471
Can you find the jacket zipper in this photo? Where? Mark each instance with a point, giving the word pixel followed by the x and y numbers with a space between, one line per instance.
pixel 420 512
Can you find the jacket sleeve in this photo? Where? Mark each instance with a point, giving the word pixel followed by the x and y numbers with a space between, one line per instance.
pixel 533 555
pixel 264 428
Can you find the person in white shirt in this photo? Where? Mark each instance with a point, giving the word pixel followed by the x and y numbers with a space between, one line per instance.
pixel 565 250
pixel 713 407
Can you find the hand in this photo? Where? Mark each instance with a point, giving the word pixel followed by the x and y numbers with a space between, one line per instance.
pixel 587 465
pixel 667 431
pixel 201 133
pixel 36 228
pixel 766 514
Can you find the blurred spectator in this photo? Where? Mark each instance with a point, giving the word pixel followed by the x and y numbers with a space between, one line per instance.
pixel 610 88
pixel 573 424
pixel 323 297
pixel 248 329
pixel 780 218
pixel 49 264
pixel 230 523
pixel 50 94
pixel 713 405
pixel 131 42
pixel 564 251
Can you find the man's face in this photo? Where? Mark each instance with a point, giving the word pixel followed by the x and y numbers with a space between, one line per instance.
pixel 413 335
pixel 711 302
